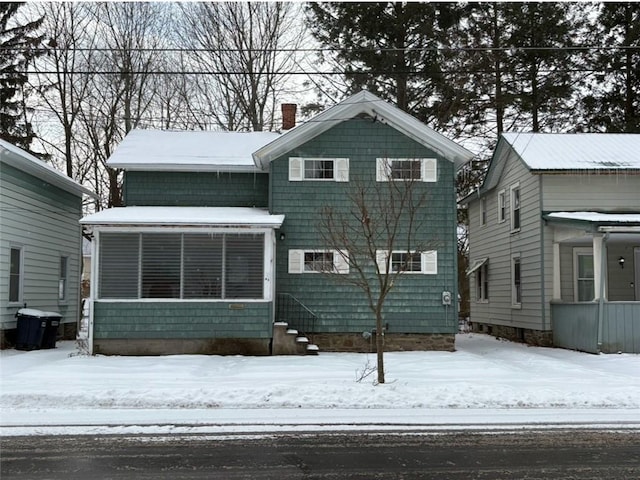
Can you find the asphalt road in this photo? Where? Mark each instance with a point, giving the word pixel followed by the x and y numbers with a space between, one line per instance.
pixel 570 454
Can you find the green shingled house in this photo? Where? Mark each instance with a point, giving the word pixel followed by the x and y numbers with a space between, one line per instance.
pixel 218 249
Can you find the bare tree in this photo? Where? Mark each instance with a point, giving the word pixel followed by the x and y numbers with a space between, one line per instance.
pixel 62 78
pixel 131 37
pixel 381 235
pixel 248 50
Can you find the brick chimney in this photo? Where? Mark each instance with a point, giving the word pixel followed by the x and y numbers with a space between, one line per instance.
pixel 288 115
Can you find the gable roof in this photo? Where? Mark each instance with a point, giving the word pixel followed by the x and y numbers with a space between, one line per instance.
pixel 23 160
pixel 363 103
pixel 576 151
pixel 189 151
pixel 561 152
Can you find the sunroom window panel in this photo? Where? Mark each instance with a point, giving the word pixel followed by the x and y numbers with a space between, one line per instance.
pixel 203 264
pixel 119 259
pixel 161 257
pixel 244 266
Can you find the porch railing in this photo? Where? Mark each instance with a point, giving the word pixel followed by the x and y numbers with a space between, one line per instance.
pixel 578 325
pixel 292 311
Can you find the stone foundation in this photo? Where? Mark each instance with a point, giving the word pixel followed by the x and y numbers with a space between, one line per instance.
pixel 393 342
pixel 536 338
pixel 220 346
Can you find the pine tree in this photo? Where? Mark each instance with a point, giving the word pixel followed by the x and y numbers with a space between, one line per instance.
pixel 614 102
pixel 18 46
pixel 391 49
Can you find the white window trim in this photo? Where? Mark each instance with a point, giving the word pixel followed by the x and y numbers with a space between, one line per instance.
pixel 340 169
pixel 428 262
pixel 512 189
pixel 483 211
pixel 428 169
pixel 482 273
pixel 514 303
pixel 340 261
pixel 20 278
pixel 502 206
pixel 578 251
pixel 65 298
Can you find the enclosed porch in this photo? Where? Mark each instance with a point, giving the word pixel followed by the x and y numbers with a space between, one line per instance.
pixel 595 305
pixel 173 280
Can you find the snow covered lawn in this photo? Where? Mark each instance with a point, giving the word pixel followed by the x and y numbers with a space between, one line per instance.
pixel 62 387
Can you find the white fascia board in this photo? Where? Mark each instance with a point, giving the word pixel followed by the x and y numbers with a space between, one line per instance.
pixel 32 165
pixel 363 102
pixel 186 167
pixel 162 217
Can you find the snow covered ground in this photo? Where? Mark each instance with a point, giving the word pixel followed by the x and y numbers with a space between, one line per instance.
pixel 485 383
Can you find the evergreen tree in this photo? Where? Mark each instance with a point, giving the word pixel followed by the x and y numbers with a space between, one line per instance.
pixel 613 105
pixel 391 49
pixel 18 44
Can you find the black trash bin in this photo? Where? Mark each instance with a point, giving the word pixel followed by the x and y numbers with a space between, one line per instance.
pixel 51 330
pixel 31 327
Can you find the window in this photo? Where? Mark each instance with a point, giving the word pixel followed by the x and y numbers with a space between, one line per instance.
pixel 15 275
pixel 583 274
pixel 482 283
pixel 62 282
pixel 483 211
pixel 181 266
pixel 516 284
pixel 502 206
pixel 408 262
pixel 515 208
pixel 318 261
pixel 406 169
pixel 321 169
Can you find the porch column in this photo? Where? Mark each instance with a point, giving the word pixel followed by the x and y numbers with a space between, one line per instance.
pixel 599 267
pixel 557 295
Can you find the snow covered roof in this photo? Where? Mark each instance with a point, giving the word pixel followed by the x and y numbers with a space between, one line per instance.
pixel 577 151
pixel 164 150
pixel 367 103
pixel 597 217
pixel 23 160
pixel 182 216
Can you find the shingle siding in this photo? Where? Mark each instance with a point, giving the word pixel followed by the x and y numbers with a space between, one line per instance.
pixel 183 320
pixel 415 305
pixel 196 189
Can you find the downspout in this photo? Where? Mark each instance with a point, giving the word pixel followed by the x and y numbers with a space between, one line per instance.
pixel 543 282
pixel 93 285
pixel 603 265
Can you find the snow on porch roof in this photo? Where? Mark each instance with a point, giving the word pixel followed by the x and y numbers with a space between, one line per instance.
pixel 597 217
pixel 577 151
pixel 182 216
pixel 164 150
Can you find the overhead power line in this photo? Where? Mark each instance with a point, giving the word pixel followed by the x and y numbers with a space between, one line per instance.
pixel 327 49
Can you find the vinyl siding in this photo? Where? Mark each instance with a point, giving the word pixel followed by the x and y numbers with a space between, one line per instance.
pixel 496 241
pixel 43 220
pixel 196 189
pixel 591 191
pixel 182 320
pixel 415 304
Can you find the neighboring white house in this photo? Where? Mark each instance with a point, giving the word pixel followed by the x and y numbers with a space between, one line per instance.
pixel 40 240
